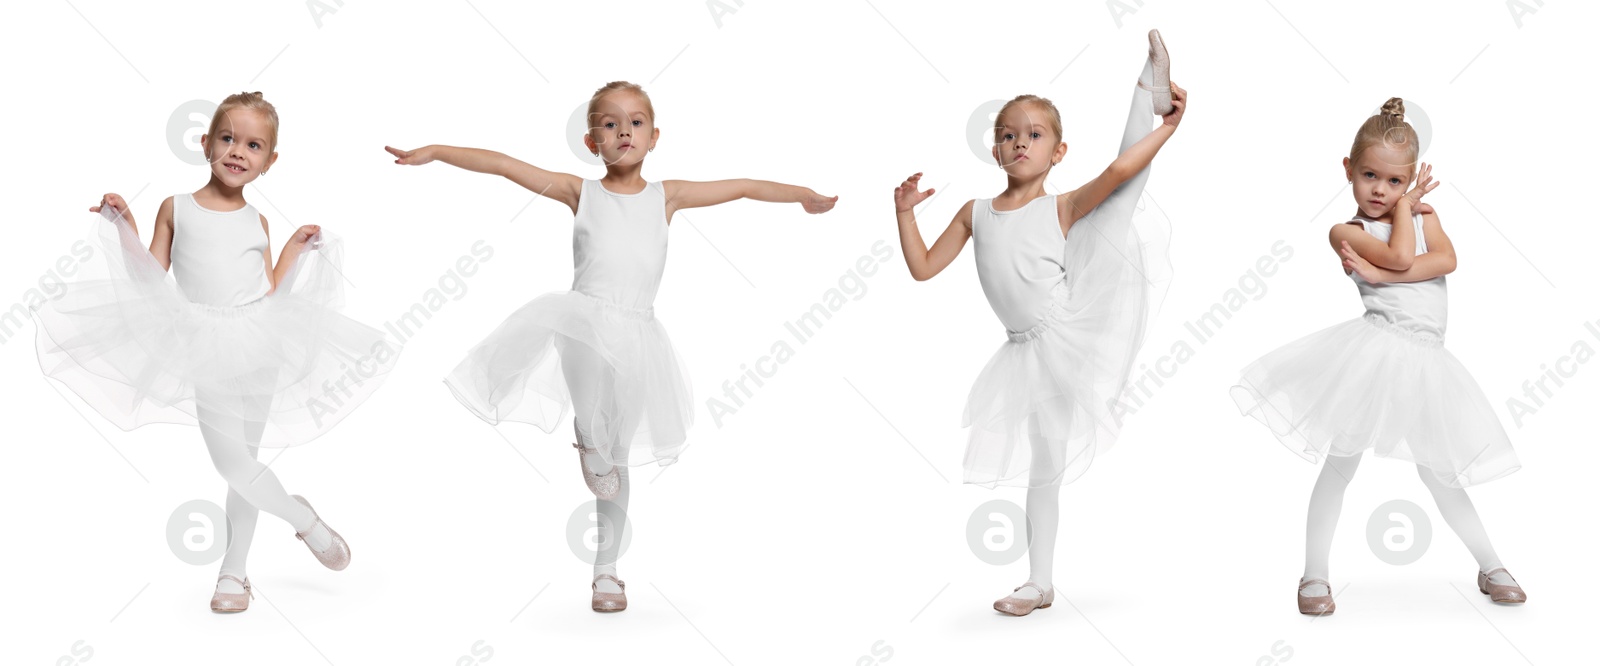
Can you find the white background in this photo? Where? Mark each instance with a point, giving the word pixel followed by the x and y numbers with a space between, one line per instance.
pixel 825 521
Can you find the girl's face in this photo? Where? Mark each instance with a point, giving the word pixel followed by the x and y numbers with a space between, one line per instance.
pixel 621 130
pixel 239 151
pixel 1378 178
pixel 1025 145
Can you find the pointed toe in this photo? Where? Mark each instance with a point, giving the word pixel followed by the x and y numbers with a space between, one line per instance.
pixel 1160 86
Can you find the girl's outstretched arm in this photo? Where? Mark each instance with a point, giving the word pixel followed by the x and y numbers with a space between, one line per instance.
pixel 563 187
pixel 1073 205
pixel 923 261
pixel 1440 259
pixel 684 194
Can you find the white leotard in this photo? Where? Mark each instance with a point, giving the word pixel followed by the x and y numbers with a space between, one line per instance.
pixel 1021 256
pixel 217 255
pixel 1414 306
pixel 619 244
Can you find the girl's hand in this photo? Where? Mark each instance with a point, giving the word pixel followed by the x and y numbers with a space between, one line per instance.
pixel 116 204
pixel 1424 185
pixel 906 195
pixel 303 235
pixel 1180 100
pixel 421 155
pixel 815 203
pixel 1356 264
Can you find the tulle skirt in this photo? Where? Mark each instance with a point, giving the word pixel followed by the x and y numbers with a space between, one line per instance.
pixel 278 371
pixel 1369 384
pixel 1049 400
pixel 612 367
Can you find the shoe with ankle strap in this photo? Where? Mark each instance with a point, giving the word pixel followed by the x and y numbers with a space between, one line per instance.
pixel 228 602
pixel 337 556
pixel 1019 607
pixel 607 602
pixel 1503 594
pixel 604 486
pixel 1320 605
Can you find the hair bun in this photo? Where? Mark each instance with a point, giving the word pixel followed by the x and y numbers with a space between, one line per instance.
pixel 1394 107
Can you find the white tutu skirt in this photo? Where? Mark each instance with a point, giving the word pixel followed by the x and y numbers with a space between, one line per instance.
pixel 278 371
pixel 1368 384
pixel 612 367
pixel 1049 400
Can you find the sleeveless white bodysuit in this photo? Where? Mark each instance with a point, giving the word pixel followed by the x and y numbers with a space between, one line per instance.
pixel 217 256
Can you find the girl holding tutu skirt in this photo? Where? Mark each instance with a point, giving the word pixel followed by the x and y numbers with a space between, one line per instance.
pixel 253 352
pixel 1384 381
pixel 1072 278
pixel 597 351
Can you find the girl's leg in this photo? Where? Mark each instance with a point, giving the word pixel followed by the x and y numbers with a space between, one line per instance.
pixel 1463 519
pixel 246 476
pixel 241 531
pixel 613 516
pixel 585 373
pixel 1044 516
pixel 241 514
pixel 587 376
pixel 1141 119
pixel 1327 499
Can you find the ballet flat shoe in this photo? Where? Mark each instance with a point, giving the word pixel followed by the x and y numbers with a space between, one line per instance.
pixel 337 556
pixel 1322 605
pixel 606 602
pixel 1020 607
pixel 1504 594
pixel 227 602
pixel 1160 71
pixel 604 486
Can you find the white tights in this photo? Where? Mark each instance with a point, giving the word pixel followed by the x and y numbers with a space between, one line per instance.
pixel 1327 497
pixel 588 377
pixel 252 487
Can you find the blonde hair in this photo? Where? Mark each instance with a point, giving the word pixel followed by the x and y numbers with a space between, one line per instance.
pixel 616 86
pixel 254 102
pixel 1389 128
pixel 1053 115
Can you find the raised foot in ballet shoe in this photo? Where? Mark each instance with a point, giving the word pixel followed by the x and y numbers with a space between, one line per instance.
pixel 1501 587
pixel 336 554
pixel 231 602
pixel 1028 601
pixel 608 602
pixel 1315 597
pixel 604 486
pixel 1161 70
